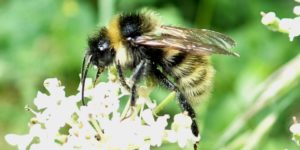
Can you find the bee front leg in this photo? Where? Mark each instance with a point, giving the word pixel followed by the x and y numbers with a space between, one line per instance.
pixel 182 100
pixel 121 77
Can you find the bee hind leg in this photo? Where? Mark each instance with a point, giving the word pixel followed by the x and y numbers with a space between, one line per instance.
pixel 182 100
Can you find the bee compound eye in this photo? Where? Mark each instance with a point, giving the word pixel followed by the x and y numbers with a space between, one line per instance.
pixel 101 48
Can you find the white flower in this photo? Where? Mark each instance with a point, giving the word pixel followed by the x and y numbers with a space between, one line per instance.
pixel 155 129
pixel 290 26
pixel 123 134
pixel 295 128
pixel 181 126
pixel 57 108
pixel 56 94
pixel 105 99
pixel 59 123
pixel 295 28
pixel 296 10
pixel 285 25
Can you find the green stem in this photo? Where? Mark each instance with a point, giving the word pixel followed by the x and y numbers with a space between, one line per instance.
pixel 126 109
pixel 278 84
pixel 164 103
pixel 97 127
pixel 106 11
pixel 251 138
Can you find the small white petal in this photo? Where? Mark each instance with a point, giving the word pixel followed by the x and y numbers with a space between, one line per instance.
pixel 52 82
pixel 171 136
pixel 294 28
pixel 51 145
pixel 60 115
pixel 145 146
pixel 183 137
pixel 148 116
pixel 182 120
pixel 53 85
pixel 296 10
pixel 285 25
pixel 295 128
pixel 22 141
pixel 36 130
pixel 150 104
pixel 269 18
pixel 42 101
pixel 162 121
pixel 88 83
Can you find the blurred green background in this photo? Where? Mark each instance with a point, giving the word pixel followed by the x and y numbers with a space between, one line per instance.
pixel 40 39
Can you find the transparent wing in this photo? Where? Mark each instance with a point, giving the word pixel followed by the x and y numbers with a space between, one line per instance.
pixel 196 41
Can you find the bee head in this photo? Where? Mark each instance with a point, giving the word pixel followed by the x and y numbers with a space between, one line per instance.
pixel 100 49
pixel 99 53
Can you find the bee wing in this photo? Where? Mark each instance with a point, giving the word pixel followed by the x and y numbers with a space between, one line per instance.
pixel 195 41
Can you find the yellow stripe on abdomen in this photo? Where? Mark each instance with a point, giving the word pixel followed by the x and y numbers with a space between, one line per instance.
pixel 194 78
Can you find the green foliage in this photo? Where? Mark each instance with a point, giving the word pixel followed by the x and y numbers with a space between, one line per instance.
pixel 47 38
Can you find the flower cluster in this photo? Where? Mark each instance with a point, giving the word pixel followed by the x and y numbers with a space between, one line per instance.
pixel 60 122
pixel 285 25
pixel 295 129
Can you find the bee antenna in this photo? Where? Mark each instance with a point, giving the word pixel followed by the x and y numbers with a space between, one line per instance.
pixel 84 70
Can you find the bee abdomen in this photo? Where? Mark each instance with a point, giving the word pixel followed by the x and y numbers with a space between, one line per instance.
pixel 194 78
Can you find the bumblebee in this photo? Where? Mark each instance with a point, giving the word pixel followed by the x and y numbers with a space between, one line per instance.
pixel 138 42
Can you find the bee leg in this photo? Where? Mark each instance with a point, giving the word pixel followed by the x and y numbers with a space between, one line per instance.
pixel 121 76
pixel 136 76
pixel 182 100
